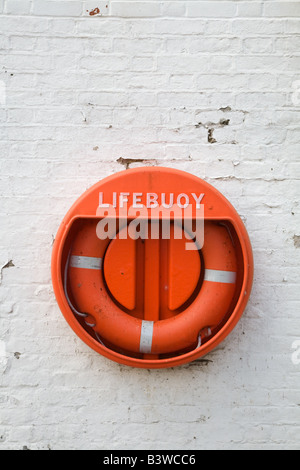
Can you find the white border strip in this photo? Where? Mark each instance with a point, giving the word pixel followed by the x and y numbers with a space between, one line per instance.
pixel 146 337
pixel 225 277
pixel 85 262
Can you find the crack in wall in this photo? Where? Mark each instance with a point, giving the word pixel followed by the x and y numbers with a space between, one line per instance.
pixel 128 161
pixel 211 126
pixel 9 264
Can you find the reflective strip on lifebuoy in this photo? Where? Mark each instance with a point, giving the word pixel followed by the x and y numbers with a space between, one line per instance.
pixel 215 275
pixel 85 262
pixel 146 336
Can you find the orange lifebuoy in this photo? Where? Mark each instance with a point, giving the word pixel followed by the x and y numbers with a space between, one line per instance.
pixel 87 284
pixel 152 303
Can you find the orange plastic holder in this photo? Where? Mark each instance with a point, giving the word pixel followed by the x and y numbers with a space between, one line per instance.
pixel 152 267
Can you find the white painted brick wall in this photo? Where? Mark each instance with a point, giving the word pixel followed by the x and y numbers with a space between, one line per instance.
pixel 79 91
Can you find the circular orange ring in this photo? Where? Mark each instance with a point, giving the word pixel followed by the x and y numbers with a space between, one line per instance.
pixel 163 336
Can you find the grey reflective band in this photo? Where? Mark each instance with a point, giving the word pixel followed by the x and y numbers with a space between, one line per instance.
pixel 85 262
pixel 225 277
pixel 146 336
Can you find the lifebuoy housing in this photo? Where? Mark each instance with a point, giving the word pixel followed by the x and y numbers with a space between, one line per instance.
pixel 153 303
pixel 88 287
